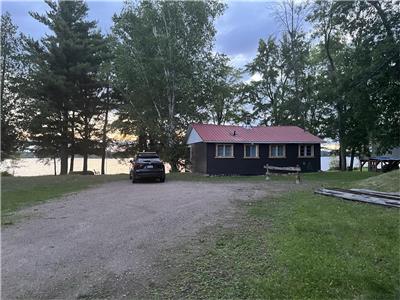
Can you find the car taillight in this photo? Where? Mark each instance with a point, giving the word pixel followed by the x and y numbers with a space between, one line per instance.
pixel 138 166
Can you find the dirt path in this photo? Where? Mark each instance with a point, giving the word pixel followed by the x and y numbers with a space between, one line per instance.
pixel 104 242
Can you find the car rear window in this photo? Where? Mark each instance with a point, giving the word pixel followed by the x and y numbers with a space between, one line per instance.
pixel 148 155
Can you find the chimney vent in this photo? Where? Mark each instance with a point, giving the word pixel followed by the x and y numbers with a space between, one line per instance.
pixel 247 123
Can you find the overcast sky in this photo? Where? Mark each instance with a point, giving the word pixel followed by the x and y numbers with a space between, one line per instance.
pixel 238 29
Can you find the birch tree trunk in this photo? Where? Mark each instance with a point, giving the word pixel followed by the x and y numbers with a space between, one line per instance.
pixel 71 165
pixel 85 145
pixel 338 106
pixel 64 145
pixel 3 74
pixel 104 138
pixel 55 166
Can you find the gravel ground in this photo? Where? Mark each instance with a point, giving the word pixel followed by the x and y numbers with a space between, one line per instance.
pixel 105 242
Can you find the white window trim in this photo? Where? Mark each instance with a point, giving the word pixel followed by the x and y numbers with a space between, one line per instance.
pixel 284 151
pixel 251 157
pixel 216 151
pixel 305 156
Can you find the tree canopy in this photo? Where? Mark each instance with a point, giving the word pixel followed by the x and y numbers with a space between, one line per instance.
pixel 333 69
pixel 161 52
pixel 62 87
pixel 11 64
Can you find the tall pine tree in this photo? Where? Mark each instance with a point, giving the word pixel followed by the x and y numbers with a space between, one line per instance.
pixel 10 70
pixel 62 80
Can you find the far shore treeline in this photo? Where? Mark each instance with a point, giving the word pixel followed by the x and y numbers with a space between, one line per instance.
pixel 333 69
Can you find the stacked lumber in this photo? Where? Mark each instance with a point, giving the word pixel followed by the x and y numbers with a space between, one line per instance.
pixel 363 195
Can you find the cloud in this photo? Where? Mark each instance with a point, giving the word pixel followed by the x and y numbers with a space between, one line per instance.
pixel 240 60
pixel 243 24
pixel 254 78
pixel 239 29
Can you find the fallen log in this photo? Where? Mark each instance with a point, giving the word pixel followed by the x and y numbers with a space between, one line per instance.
pixel 349 195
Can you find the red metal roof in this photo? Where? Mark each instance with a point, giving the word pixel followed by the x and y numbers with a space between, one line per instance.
pixel 259 134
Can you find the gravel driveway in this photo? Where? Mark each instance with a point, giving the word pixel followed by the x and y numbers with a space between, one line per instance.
pixel 103 242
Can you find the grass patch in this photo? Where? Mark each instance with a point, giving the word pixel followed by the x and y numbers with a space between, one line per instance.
pixel 301 246
pixel 387 182
pixel 17 192
pixel 327 248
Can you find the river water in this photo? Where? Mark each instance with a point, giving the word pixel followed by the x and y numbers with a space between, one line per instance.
pixel 36 167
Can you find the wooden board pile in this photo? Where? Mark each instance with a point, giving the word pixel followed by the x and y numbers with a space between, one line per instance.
pixel 363 195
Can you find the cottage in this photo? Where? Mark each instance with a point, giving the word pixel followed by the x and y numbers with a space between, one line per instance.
pixel 237 150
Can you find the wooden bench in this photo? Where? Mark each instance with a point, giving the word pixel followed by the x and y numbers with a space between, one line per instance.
pixel 296 170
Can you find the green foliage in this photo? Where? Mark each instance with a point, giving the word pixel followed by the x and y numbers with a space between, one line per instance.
pixel 220 88
pixel 158 73
pixel 10 70
pixel 285 95
pixel 159 59
pixel 270 91
pixel 62 87
pixel 359 47
pixel 340 83
pixel 6 174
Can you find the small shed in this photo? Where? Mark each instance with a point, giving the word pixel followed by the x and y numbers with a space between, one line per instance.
pixel 387 162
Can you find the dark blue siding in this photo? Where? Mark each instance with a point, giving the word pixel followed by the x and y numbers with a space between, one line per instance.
pixel 248 166
pixel 199 158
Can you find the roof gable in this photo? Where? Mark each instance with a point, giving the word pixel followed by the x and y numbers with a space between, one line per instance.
pixel 260 134
pixel 194 137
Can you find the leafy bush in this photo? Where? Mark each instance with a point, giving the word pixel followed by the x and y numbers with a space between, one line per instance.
pixel 6 174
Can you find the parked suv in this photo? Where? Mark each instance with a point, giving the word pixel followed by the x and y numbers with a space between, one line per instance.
pixel 147 165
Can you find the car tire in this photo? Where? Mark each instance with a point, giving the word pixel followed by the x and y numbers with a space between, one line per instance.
pixel 162 179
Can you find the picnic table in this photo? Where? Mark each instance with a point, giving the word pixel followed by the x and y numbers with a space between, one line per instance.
pixel 295 169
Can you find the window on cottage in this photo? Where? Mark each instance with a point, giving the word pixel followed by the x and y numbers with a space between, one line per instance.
pixel 306 150
pixel 251 151
pixel 277 151
pixel 220 150
pixel 224 151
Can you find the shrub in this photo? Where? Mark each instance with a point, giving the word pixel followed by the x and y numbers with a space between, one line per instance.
pixel 6 174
